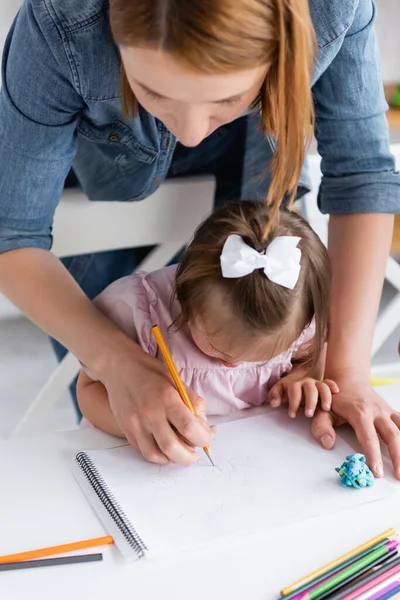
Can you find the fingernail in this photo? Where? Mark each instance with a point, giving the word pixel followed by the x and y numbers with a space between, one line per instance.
pixel 379 470
pixel 275 402
pixel 203 415
pixel 292 414
pixel 309 412
pixel 326 406
pixel 327 441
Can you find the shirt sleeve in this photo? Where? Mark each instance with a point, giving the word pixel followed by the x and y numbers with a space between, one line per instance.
pixel 351 128
pixel 39 109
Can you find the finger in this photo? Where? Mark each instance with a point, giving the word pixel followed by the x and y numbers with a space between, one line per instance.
pixel 368 438
pixel 173 446
pixel 149 448
pixel 325 395
pixel 295 395
pixel 333 386
pixel 396 419
pixel 323 430
pixel 390 434
pixel 310 393
pixel 199 404
pixel 191 427
pixel 276 394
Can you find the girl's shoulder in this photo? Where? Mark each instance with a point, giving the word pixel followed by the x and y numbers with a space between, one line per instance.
pixel 139 301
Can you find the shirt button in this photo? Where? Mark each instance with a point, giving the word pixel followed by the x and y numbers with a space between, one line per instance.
pixel 114 137
pixel 166 142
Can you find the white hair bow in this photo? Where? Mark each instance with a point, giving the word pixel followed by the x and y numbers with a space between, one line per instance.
pixel 281 260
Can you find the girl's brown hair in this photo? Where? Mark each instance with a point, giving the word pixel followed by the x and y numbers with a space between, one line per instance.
pixel 226 36
pixel 261 305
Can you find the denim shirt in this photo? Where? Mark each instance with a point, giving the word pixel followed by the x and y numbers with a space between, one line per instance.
pixel 60 104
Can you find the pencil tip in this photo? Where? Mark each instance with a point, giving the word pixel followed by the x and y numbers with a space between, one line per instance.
pixel 209 457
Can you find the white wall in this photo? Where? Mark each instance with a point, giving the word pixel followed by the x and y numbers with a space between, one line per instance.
pixel 8 9
pixel 388 32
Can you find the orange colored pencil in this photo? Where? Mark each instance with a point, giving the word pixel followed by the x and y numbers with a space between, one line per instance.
pixel 175 376
pixel 52 550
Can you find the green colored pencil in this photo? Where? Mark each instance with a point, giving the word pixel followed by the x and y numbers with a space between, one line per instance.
pixel 351 570
pixel 331 572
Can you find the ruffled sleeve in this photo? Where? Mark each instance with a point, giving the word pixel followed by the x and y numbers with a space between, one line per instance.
pixel 129 303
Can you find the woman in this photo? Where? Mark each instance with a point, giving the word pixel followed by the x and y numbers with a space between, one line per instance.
pixel 196 72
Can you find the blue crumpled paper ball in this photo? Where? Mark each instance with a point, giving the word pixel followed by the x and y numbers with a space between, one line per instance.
pixel 354 472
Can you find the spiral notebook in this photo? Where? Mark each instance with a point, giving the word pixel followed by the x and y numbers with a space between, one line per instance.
pixel 269 472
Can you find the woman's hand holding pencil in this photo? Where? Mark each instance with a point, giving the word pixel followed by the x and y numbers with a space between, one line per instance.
pixel 152 412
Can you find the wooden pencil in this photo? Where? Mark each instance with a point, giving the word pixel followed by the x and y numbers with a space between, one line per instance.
pixel 387 569
pixel 299 592
pixel 61 549
pixel 390 592
pixel 51 562
pixel 175 376
pixel 344 575
pixel 374 567
pixel 389 533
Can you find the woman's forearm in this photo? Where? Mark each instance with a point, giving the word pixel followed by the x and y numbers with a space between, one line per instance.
pixel 37 283
pixel 359 245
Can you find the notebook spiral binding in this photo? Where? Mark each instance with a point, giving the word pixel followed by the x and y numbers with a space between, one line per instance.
pixel 109 502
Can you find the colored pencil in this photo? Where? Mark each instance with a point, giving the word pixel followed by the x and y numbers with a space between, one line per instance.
pixel 61 549
pixel 384 572
pixel 374 567
pixel 175 376
pixel 384 592
pixel 392 593
pixel 389 533
pixel 356 567
pixel 50 562
pixel 372 583
pixel 299 593
pixel 377 381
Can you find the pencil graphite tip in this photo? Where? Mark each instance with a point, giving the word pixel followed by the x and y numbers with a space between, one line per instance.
pixel 208 453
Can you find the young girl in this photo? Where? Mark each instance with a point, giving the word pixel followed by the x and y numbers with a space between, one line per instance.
pixel 244 315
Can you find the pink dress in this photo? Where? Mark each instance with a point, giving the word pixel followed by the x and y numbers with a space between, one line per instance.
pixel 142 300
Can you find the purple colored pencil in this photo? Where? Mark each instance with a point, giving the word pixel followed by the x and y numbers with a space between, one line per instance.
pixel 382 594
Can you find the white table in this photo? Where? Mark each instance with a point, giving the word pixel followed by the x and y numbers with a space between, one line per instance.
pixel 39 495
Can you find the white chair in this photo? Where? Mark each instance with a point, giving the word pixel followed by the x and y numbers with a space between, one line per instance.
pixel 389 317
pixel 167 219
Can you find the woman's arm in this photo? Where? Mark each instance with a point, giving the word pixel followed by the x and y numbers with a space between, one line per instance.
pixel 95 405
pixel 359 246
pixel 360 189
pixel 142 396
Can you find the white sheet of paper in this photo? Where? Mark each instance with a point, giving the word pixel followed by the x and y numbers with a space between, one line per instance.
pixel 269 472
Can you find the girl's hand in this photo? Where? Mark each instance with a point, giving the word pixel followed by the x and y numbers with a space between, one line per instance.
pixel 149 410
pixel 307 391
pixel 370 417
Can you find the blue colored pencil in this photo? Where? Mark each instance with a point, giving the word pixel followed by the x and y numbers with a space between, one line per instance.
pixel 390 592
